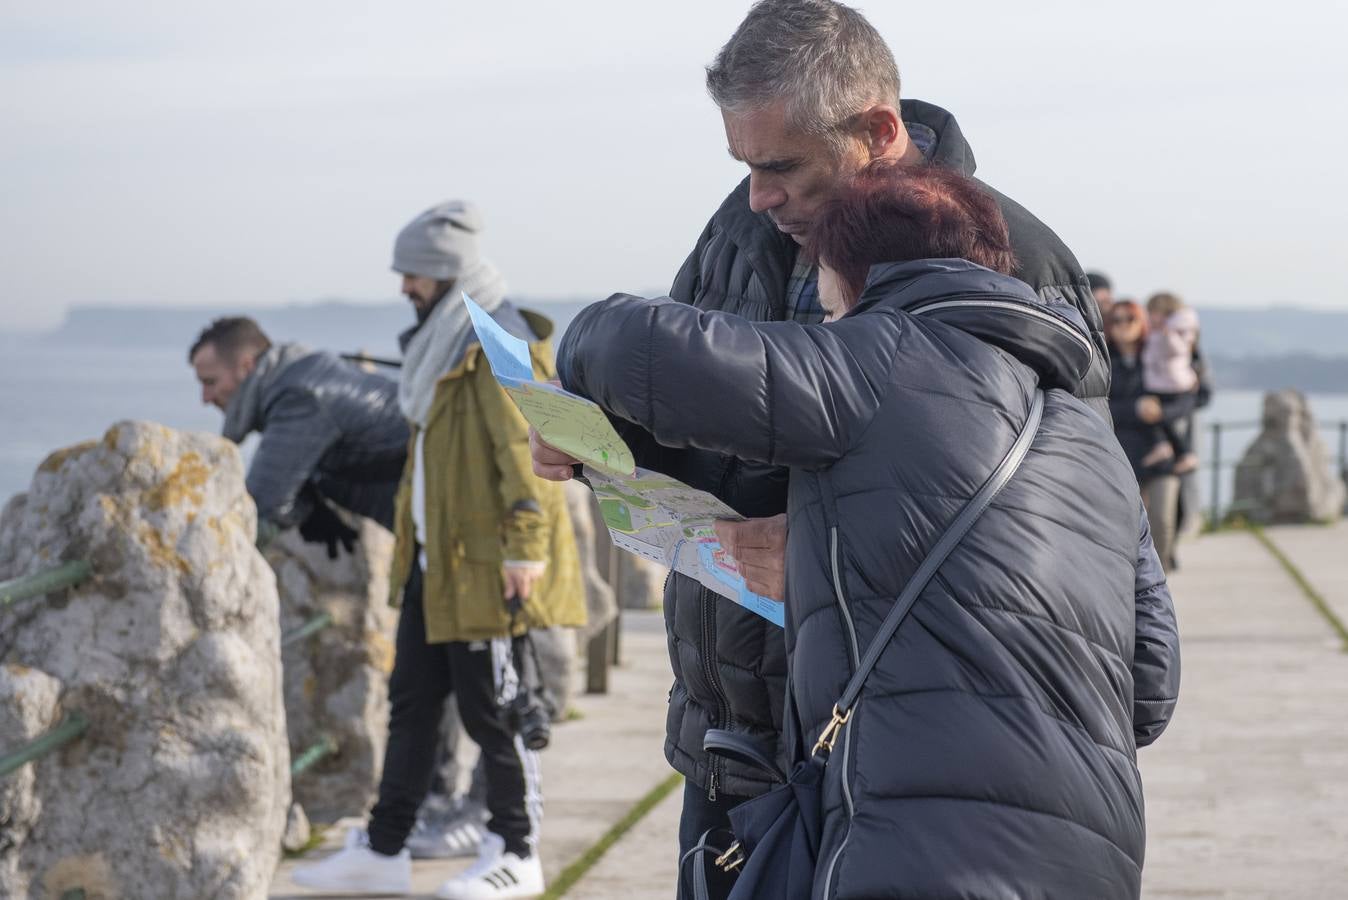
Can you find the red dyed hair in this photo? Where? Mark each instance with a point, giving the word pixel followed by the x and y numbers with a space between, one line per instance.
pixel 890 212
pixel 1131 306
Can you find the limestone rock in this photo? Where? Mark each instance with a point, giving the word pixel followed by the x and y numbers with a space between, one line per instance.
pixel 298 832
pixel 336 679
pixel 179 787
pixel 641 583
pixel 1286 474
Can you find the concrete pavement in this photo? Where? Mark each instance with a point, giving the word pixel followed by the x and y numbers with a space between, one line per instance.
pixel 1247 791
pixel 597 768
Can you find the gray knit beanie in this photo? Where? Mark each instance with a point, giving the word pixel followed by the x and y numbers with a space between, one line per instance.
pixel 440 243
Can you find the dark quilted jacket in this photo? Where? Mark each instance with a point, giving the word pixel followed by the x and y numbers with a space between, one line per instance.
pixel 991 753
pixel 729 665
pixel 327 423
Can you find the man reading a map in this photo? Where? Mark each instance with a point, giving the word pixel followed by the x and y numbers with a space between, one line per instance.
pixel 809 95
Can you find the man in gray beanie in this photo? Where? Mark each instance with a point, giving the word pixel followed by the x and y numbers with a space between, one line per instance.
pixel 485 553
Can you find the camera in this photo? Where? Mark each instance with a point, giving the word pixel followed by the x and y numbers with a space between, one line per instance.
pixel 529 713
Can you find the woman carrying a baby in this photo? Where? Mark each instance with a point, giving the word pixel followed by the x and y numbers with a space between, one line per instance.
pixel 1153 388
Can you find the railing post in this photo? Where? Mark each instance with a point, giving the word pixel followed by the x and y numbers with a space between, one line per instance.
pixel 615 577
pixel 1216 514
pixel 1343 448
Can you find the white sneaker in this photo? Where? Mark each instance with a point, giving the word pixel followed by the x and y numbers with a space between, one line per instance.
pixel 496 875
pixel 444 834
pixel 358 868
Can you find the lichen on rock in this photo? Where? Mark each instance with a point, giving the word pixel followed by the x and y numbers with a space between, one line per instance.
pixel 180 785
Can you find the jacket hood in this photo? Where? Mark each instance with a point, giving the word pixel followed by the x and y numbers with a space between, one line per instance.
pixel 948 146
pixel 1048 336
pixel 244 413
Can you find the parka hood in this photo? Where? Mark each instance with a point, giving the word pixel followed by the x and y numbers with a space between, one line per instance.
pixel 1049 337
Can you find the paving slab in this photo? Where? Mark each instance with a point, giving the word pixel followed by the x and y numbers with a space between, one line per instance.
pixel 644 864
pixel 1246 791
pixel 1321 553
pixel 596 769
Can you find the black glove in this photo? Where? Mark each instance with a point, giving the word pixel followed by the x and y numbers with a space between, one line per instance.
pixel 324 526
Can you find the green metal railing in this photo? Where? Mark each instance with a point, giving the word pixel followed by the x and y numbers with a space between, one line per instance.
pixel 72 726
pixel 63 576
pixel 313 626
pixel 1216 464
pixel 325 747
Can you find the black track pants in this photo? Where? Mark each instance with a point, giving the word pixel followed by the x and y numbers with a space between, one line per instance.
pixel 477 673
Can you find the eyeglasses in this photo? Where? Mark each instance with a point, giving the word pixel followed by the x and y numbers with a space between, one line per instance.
pixel 1125 319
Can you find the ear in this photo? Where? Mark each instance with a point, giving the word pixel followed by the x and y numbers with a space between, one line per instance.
pixel 881 130
pixel 247 363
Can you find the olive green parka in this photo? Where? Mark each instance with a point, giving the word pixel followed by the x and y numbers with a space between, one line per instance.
pixel 484 505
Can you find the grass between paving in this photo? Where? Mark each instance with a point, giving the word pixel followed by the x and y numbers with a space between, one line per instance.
pixel 1311 593
pixel 578 869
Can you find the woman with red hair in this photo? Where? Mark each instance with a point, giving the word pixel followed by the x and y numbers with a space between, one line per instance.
pixel 1140 419
pixel 990 751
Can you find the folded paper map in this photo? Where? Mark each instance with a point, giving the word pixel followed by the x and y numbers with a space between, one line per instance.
pixel 572 424
pixel 649 514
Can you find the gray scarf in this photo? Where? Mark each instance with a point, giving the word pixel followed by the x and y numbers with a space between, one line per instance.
pixel 243 416
pixel 442 340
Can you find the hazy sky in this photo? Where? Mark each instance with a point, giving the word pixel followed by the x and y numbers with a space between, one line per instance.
pixel 258 153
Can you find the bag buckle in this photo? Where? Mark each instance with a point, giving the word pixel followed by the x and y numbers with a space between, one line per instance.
pixel 732 858
pixel 830 733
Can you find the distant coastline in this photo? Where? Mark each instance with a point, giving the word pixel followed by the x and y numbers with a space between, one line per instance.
pixel 1249 349
pixel 1307 372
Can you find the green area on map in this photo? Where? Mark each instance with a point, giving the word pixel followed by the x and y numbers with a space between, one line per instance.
pixel 574 426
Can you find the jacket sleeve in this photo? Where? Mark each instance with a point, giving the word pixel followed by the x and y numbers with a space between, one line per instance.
pixel 1175 406
pixel 1156 651
pixel 296 435
pixel 525 531
pixel 770 392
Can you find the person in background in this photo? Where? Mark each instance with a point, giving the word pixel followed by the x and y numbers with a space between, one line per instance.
pixel 1168 370
pixel 1103 292
pixel 484 552
pixel 330 432
pixel 1138 419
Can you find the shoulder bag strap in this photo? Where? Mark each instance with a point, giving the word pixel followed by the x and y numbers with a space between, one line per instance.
pixel 954 533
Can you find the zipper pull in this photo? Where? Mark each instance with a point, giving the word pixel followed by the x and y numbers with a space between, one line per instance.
pixel 711 786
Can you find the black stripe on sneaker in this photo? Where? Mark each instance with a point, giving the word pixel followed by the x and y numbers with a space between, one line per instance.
pixel 510 873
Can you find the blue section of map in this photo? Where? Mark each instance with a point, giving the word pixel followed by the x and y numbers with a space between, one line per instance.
pixel 507 355
pixel 772 610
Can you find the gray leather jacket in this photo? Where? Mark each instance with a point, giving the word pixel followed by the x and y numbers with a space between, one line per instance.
pixel 323 422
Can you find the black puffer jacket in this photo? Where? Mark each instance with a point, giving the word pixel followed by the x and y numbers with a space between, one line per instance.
pixel 1139 438
pixel 729 665
pixel 991 753
pixel 325 422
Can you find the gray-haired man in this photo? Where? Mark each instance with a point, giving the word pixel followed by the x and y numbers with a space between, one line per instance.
pixel 809 93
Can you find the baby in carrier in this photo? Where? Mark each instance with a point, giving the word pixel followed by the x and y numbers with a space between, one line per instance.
pixel 1168 371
